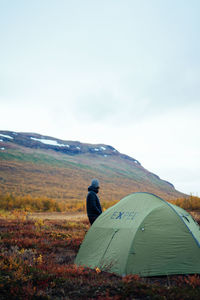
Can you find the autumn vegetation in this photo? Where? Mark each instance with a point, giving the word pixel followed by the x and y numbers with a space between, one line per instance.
pixel 28 203
pixel 34 187
pixel 37 257
pixel 191 203
pixel 37 253
pixel 37 262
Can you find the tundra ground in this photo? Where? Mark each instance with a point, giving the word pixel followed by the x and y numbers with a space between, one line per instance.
pixel 37 255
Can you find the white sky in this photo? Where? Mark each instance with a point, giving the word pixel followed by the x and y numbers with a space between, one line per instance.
pixel 119 72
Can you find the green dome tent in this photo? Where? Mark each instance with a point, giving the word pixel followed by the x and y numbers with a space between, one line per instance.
pixel 145 235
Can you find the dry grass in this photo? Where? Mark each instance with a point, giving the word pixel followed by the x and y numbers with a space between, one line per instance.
pixel 80 216
pixel 58 216
pixel 195 215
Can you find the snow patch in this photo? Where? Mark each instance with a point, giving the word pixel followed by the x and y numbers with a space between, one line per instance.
pixel 103 148
pixel 78 148
pixel 96 149
pixel 2 148
pixel 1 140
pixel 105 155
pixel 49 142
pixel 6 136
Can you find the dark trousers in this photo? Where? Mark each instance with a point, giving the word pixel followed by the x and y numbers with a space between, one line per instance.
pixel 92 219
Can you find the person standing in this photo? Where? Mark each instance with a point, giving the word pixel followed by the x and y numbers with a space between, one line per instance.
pixel 92 202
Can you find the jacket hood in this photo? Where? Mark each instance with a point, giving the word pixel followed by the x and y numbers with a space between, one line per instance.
pixel 92 188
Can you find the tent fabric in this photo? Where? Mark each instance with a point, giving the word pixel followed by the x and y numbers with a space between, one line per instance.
pixel 145 235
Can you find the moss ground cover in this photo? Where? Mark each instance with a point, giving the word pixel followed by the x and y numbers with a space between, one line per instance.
pixel 37 262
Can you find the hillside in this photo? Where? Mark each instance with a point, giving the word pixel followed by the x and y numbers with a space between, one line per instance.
pixel 36 165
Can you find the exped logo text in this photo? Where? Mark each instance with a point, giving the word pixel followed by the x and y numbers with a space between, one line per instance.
pixel 123 215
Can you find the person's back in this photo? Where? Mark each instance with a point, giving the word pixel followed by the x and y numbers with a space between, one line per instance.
pixel 92 201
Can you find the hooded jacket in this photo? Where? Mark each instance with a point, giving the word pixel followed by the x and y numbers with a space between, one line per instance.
pixel 93 203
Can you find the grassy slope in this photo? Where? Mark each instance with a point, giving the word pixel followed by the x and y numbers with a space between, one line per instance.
pixel 64 177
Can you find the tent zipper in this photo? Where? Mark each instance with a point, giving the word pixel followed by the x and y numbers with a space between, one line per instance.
pixel 116 230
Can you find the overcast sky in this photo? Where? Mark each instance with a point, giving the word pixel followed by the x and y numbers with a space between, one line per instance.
pixel 119 72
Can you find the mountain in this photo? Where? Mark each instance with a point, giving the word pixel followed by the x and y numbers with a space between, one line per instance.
pixel 41 166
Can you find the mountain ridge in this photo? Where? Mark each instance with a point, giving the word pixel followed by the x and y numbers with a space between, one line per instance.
pixel 70 147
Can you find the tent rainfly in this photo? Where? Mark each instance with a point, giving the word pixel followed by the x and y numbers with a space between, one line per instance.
pixel 145 235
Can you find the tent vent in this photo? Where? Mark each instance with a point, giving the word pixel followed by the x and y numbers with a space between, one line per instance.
pixel 184 216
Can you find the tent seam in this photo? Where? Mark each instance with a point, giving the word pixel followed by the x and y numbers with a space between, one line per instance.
pixel 168 204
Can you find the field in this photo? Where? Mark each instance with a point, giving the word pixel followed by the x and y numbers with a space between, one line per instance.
pixel 37 253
